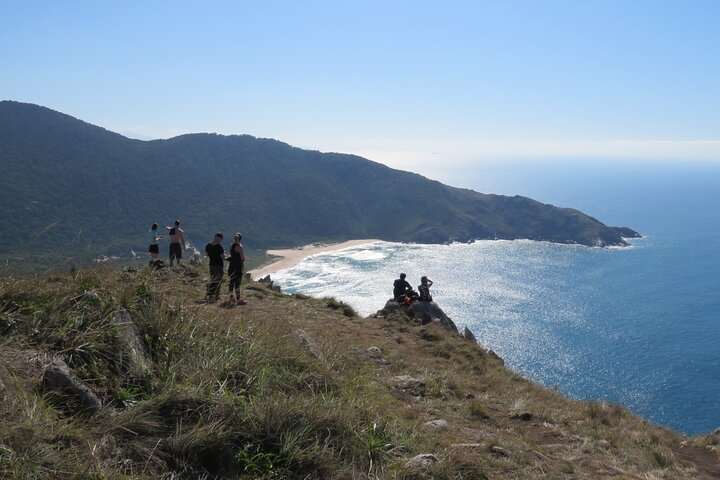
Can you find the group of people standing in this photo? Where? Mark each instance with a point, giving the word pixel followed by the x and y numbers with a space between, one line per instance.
pixel 404 294
pixel 236 263
pixel 177 243
pixel 214 251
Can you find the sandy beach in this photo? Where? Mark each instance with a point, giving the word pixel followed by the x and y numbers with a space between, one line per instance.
pixel 293 256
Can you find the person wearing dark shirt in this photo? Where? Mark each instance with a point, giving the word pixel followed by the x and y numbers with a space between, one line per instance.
pixel 216 253
pixel 235 270
pixel 424 289
pixel 401 287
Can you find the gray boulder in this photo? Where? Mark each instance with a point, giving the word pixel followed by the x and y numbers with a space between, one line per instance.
pixel 469 335
pixel 136 357
pixel 496 357
pixel 374 352
pixel 438 424
pixel 57 378
pixel 424 461
pixel 307 341
pixel 424 312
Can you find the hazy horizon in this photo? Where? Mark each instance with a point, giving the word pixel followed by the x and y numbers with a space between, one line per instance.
pixel 407 84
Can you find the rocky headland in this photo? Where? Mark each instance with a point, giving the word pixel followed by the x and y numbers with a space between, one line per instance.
pixel 68 178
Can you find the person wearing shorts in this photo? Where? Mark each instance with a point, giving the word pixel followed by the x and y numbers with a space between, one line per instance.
pixel 177 242
pixel 154 249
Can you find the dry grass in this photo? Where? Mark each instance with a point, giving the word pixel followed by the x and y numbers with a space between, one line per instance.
pixel 233 393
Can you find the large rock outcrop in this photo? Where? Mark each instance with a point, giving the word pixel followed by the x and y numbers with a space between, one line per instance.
pixel 136 358
pixel 423 312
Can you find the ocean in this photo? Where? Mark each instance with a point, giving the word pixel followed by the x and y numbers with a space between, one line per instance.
pixel 638 326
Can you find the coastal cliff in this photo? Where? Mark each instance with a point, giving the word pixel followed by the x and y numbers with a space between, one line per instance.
pixel 127 372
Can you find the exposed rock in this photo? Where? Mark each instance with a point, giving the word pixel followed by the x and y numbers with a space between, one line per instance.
pixel 374 352
pixel 58 378
pixel 424 461
pixel 437 424
pixel 412 385
pixel 136 357
pixel 627 232
pixel 469 335
pixel 306 341
pixel 496 357
pixel 424 312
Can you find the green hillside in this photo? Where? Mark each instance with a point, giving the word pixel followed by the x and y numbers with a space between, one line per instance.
pixel 285 387
pixel 71 191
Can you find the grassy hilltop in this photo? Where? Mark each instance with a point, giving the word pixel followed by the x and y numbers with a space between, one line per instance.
pixel 286 387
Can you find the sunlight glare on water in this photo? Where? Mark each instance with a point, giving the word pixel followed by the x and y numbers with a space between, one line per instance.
pixel 560 314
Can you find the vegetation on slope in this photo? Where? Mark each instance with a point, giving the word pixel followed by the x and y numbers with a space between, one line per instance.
pixel 72 191
pixel 286 387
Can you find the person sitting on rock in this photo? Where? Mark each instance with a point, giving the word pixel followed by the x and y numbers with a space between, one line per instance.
pixel 424 289
pixel 402 289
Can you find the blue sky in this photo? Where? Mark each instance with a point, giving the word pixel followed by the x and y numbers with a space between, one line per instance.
pixel 407 83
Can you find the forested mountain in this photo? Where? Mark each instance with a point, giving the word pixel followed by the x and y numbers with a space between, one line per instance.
pixel 71 191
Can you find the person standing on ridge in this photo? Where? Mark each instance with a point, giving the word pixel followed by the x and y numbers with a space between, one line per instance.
pixel 424 289
pixel 154 249
pixel 177 242
pixel 216 253
pixel 401 287
pixel 235 270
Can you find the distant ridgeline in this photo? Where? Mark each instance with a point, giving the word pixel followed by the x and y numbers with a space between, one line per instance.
pixel 71 191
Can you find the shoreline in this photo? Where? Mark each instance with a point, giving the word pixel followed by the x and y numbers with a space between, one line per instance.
pixel 293 256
